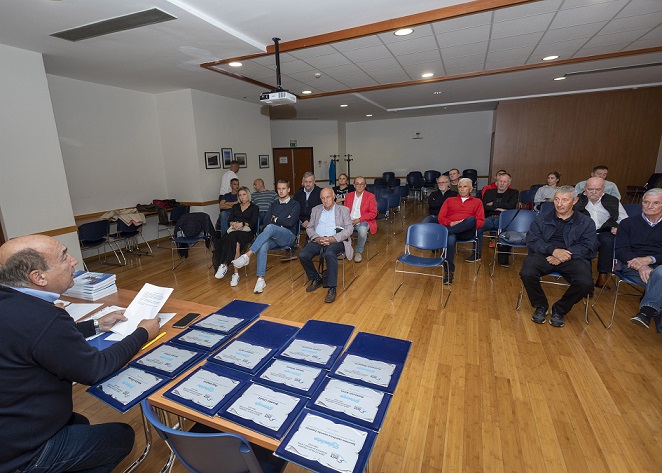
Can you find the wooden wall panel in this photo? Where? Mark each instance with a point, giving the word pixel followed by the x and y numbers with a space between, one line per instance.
pixel 573 133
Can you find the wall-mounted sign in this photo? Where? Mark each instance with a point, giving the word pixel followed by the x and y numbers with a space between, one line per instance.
pixel 293 143
pixel 282 159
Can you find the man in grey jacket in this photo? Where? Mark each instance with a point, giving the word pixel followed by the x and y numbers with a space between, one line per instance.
pixel 329 231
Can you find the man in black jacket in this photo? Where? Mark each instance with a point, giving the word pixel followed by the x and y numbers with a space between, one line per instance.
pixel 606 212
pixel 561 241
pixel 437 198
pixel 42 352
pixel 308 197
pixel 496 201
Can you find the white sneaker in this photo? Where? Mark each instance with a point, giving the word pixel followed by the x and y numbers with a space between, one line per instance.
pixel 235 279
pixel 358 258
pixel 242 261
pixel 220 273
pixel 259 286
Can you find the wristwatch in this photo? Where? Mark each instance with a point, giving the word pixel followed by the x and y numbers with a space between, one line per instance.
pixel 97 329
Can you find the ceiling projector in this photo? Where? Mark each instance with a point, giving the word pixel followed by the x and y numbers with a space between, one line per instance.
pixel 277 97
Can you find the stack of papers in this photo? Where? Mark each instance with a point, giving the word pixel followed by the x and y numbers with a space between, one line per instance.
pixel 92 286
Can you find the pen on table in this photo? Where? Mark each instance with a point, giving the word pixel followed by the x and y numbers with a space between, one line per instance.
pixel 146 345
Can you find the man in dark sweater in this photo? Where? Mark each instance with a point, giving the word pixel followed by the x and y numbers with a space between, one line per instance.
pixel 496 201
pixel 437 198
pixel 42 352
pixel 639 246
pixel 308 197
pixel 281 230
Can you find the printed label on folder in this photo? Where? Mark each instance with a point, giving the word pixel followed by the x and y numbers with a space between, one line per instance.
pixel 218 322
pixel 264 406
pixel 309 351
pixel 205 388
pixel 202 338
pixel 243 354
pixel 167 358
pixel 129 385
pixel 353 400
pixel 370 371
pixel 291 374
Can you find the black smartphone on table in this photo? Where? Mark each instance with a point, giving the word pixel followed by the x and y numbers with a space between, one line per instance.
pixel 187 319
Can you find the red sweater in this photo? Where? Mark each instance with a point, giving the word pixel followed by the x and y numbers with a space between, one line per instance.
pixel 454 209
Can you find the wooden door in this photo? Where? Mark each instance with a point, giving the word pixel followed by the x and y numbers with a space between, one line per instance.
pixel 291 164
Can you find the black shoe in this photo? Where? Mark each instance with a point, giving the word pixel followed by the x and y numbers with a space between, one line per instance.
pixel 473 258
pixel 641 319
pixel 556 320
pixel 314 284
pixel 540 315
pixel 330 296
pixel 448 277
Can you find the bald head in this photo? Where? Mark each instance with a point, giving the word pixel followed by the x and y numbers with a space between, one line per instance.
pixel 39 243
pixel 594 189
pixel 328 197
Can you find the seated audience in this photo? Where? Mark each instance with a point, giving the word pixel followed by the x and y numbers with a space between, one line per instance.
pixel 606 212
pixel 241 230
pixel 263 198
pixel 462 215
pixel 546 192
pixel 308 197
pixel 639 245
pixel 437 198
pixel 495 201
pixel 329 235
pixel 600 171
pixel 43 352
pixel 343 188
pixel 225 204
pixel 454 176
pixel 281 230
pixel 563 241
pixel 363 211
pixel 493 185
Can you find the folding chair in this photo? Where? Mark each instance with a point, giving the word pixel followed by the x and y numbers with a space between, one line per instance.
pixel 474 245
pixel 128 235
pixel 341 258
pixel 175 213
pixel 425 237
pixel 515 221
pixel 181 243
pixel 95 235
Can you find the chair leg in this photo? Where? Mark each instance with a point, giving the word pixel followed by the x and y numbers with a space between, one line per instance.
pixel 519 298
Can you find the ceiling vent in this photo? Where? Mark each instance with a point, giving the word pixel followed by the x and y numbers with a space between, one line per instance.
pixel 113 25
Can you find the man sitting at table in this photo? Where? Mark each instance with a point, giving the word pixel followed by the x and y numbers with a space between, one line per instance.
pixel 43 352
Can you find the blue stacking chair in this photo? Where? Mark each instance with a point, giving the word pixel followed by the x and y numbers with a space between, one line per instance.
pixel 546 207
pixel 290 249
pixel 175 214
pixel 473 241
pixel 94 235
pixel 425 237
pixel 556 281
pixel 129 234
pixel 526 199
pixel 535 187
pixel 203 450
pixel 516 221
pixel 632 209
pixel 393 199
pixel 404 194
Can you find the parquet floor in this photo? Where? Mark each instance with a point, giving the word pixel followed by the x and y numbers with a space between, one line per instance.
pixel 484 388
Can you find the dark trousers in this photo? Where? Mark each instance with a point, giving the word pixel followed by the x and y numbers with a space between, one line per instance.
pixel 82 447
pixel 605 252
pixel 464 230
pixel 224 251
pixel 576 272
pixel 330 254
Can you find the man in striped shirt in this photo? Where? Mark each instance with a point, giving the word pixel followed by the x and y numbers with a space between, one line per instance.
pixel 263 198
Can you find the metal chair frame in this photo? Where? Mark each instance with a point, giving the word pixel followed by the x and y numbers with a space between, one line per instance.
pixel 557 282
pixel 517 221
pixel 89 230
pixel 174 215
pixel 474 243
pixel 291 249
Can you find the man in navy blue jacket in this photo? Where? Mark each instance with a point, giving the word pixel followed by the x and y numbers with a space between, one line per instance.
pixel 562 241
pixel 42 351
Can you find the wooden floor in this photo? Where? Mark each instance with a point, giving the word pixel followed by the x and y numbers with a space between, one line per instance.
pixel 484 388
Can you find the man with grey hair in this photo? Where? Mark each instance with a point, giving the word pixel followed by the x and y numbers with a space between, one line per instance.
pixel 308 197
pixel 43 352
pixel 562 241
pixel 639 247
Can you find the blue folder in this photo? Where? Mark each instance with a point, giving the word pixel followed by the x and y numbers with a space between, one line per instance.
pixel 206 323
pixel 376 348
pixel 193 357
pixel 241 308
pixel 240 377
pixel 325 333
pixel 179 339
pixel 128 403
pixel 292 374
pixel 265 334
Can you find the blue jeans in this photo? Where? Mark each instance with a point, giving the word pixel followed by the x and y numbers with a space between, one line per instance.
pixel 362 229
pixel 491 225
pixel 82 447
pixel 430 219
pixel 464 230
pixel 653 296
pixel 223 222
pixel 271 237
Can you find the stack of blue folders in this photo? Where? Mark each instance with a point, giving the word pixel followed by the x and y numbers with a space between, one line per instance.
pixel 92 286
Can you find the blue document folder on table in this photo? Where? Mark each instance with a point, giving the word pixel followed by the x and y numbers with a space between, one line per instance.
pixel 318 343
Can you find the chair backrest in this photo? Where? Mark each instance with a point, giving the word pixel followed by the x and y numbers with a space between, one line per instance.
pixel 427 236
pixel 380 181
pixel 393 183
pixel 387 176
pixel 382 205
pixel 418 182
pixel 632 209
pixel 206 452
pixel 403 191
pixel 431 176
pixel 370 188
pixel 382 191
pixel 177 212
pixel 526 197
pixel 124 228
pixel 471 174
pixel 393 200
pixel 516 221
pixel 654 181
pixel 535 187
pixel 94 231
pixel 546 207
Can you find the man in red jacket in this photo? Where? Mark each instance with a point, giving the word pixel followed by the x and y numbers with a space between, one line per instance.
pixel 462 215
pixel 363 211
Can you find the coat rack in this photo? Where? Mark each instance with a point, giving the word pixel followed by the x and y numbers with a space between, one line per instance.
pixel 348 158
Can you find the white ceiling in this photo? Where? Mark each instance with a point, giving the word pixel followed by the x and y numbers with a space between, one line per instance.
pixel 167 56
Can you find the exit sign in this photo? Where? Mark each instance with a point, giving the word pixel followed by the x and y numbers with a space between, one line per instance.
pixel 293 143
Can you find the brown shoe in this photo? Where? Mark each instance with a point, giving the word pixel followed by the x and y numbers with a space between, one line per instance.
pixel 602 281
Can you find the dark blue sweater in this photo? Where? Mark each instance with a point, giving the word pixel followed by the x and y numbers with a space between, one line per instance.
pixel 42 351
pixel 287 215
pixel 636 238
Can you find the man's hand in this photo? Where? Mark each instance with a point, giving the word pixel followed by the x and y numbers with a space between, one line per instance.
pixel 644 273
pixel 456 222
pixel 304 224
pixel 640 262
pixel 107 321
pixel 553 260
pixel 562 255
pixel 151 325
pixel 614 230
pixel 356 221
pixel 489 204
pixel 236 225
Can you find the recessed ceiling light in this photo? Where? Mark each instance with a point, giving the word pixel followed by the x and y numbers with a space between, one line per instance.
pixel 343 105
pixel 437 92
pixel 560 78
pixel 403 32
pixel 550 58
pixel 427 74
pixel 369 115
pixel 306 92
pixel 234 64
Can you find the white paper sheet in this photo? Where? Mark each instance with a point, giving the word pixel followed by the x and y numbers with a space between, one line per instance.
pixel 202 338
pixel 145 305
pixel 291 374
pixel 77 311
pixel 333 445
pixel 242 354
pixel 370 371
pixel 205 388
pixel 166 358
pixel 219 322
pixel 98 315
pixel 353 400
pixel 129 385
pixel 116 337
pixel 264 406
pixel 309 351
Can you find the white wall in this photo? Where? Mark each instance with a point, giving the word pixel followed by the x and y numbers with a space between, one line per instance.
pixel 34 196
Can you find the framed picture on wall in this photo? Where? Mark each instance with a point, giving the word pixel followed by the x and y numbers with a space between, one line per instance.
pixel 226 154
pixel 212 160
pixel 241 157
pixel 264 161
